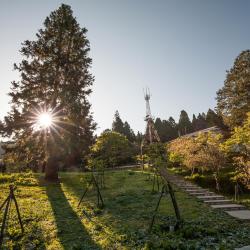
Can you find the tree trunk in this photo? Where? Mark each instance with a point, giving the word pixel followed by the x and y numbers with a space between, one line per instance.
pixel 51 169
pixel 216 177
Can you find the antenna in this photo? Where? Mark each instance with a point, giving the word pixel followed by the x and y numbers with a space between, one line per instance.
pixel 151 134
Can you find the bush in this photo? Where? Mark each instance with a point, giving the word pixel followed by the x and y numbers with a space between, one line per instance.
pixel 112 149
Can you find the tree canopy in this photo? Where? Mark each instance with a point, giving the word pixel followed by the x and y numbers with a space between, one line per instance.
pixel 113 149
pixel 233 99
pixel 123 127
pixel 55 79
pixel 184 125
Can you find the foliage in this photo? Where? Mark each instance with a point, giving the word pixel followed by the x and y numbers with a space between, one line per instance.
pixel 53 221
pixel 156 153
pixel 113 149
pixel 123 128
pixel 199 123
pixel 238 148
pixel 55 78
pixel 167 130
pixel 184 125
pixel 233 100
pixel 201 153
pixel 213 119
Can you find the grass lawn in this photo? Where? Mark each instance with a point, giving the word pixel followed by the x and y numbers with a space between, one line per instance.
pixel 52 219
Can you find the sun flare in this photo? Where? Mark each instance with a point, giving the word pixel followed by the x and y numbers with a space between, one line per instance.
pixel 44 120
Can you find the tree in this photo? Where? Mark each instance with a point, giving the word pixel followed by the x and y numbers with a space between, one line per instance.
pixel 172 122
pixel 237 148
pixel 233 99
pixel 166 129
pixel 200 122
pixel 184 125
pixel 211 154
pixel 122 127
pixel 201 153
pixel 213 119
pixel 194 122
pixel 156 154
pixel 113 149
pixel 55 79
pixel 159 128
pixel 139 138
pixel 128 132
pixel 118 125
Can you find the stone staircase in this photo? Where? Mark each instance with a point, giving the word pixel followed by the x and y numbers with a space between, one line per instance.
pixel 212 199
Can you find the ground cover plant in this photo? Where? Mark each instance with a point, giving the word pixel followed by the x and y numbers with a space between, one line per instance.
pixel 53 221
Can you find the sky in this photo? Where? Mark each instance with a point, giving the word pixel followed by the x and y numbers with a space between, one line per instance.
pixel 179 49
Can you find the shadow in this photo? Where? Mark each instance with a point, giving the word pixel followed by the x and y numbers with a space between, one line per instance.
pixel 128 206
pixel 70 230
pixel 33 236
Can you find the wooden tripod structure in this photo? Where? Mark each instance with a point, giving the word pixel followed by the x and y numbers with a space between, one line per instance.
pixel 167 190
pixel 93 182
pixel 6 206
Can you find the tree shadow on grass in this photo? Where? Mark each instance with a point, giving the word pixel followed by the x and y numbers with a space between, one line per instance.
pixel 70 229
pixel 126 205
pixel 32 237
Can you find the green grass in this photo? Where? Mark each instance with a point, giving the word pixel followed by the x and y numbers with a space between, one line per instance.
pixel 53 221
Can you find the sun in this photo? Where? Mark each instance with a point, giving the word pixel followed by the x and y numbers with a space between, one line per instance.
pixel 44 120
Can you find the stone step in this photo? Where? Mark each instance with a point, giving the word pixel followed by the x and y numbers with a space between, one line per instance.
pixel 228 207
pixel 187 186
pixel 243 248
pixel 215 202
pixel 196 190
pixel 210 197
pixel 240 214
pixel 201 193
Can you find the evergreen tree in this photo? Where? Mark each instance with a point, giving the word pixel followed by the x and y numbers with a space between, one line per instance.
pixel 139 138
pixel 194 122
pixel 118 125
pixel 213 119
pixel 128 132
pixel 174 129
pixel 172 122
pixel 184 125
pixel 55 78
pixel 200 122
pixel 158 127
pixel 123 127
pixel 167 130
pixel 233 99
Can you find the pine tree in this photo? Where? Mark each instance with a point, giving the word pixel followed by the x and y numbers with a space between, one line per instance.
pixel 233 99
pixel 174 130
pixel 184 125
pixel 172 122
pixel 139 138
pixel 158 127
pixel 55 78
pixel 128 132
pixel 118 125
pixel 194 122
pixel 167 130
pixel 200 122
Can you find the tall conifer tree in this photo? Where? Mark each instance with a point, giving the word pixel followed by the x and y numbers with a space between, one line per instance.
pixel 233 99
pixel 55 78
pixel 184 125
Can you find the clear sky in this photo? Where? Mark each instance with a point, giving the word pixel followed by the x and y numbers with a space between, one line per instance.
pixel 179 49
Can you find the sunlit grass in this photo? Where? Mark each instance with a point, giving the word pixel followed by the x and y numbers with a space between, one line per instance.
pixel 53 221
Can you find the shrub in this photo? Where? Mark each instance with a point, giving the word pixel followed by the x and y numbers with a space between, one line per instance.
pixel 112 149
